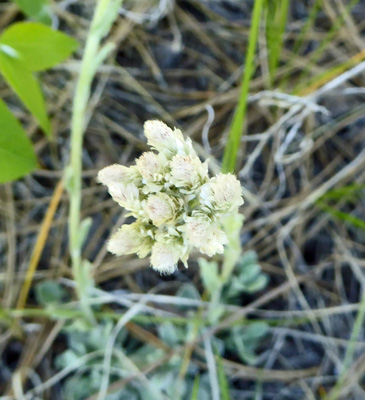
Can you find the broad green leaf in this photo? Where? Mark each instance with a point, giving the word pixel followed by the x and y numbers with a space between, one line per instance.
pixel 26 87
pixel 38 10
pixel 39 46
pixel 16 153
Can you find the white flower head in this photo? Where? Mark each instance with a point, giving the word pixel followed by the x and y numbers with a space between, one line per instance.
pixel 130 239
pixel 222 193
pixel 160 208
pixel 176 206
pixel 165 257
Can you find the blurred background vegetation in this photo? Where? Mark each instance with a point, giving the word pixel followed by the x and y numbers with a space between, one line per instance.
pixel 272 89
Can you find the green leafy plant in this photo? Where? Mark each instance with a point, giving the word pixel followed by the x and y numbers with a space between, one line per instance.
pixel 26 48
pixel 129 356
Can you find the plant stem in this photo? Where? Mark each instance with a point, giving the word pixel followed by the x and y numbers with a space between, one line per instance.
pixel 99 27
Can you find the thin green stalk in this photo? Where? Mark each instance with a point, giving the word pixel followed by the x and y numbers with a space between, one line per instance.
pixel 315 55
pixel 233 251
pixel 276 18
pixel 299 41
pixel 358 325
pixel 104 15
pixel 235 133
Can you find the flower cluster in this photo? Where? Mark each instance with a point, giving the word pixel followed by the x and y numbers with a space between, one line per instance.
pixel 176 205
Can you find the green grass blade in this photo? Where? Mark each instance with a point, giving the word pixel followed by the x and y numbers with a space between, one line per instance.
pixel 314 57
pixel 276 18
pixel 235 133
pixel 357 222
pixel 356 330
pixel 222 378
pixel 299 41
pixel 345 192
pixel 194 394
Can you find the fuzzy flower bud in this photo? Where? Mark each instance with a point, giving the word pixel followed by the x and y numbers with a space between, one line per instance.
pixel 128 240
pixel 160 208
pixel 122 185
pixel 126 196
pixel 161 137
pixel 148 165
pixel 222 193
pixel 187 170
pixel 165 257
pixel 114 174
pixel 205 236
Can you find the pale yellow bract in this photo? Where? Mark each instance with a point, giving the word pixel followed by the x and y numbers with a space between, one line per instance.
pixel 177 206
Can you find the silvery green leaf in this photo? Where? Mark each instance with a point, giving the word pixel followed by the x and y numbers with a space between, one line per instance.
pixel 255 331
pixel 215 313
pixel 77 343
pixel 169 334
pixel 245 339
pixel 247 355
pixel 85 276
pixel 209 274
pixel 235 288
pixel 67 358
pixel 248 258
pixel 188 291
pixel 50 292
pixel 146 355
pixel 99 335
pixel 85 226
pixel 258 284
pixel 249 273
pixel 218 345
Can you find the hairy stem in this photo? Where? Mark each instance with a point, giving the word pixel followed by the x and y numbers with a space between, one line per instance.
pixel 105 13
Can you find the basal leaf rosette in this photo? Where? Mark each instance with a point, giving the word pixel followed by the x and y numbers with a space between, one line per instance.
pixel 178 208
